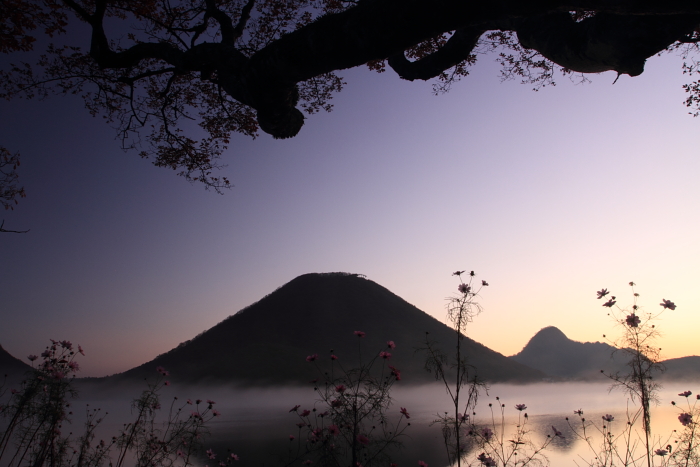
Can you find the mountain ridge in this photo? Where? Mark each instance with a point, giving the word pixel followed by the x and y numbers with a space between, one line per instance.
pixel 553 353
pixel 268 341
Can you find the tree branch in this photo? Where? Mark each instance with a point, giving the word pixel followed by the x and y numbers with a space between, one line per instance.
pixel 2 230
pixel 620 36
pixel 243 20
pixel 603 42
pixel 457 49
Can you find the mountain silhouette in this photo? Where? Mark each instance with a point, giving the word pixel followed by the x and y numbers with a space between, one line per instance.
pixel 551 352
pixel 682 369
pixel 12 367
pixel 268 342
pixel 561 358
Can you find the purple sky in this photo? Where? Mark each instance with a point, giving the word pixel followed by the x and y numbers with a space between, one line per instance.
pixel 548 195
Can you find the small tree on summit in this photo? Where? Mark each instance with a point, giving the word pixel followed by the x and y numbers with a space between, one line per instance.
pixel 240 66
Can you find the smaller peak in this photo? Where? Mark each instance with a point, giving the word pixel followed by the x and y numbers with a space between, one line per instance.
pixel 550 332
pixel 547 337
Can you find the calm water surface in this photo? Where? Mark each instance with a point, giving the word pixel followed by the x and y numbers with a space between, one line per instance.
pixel 256 423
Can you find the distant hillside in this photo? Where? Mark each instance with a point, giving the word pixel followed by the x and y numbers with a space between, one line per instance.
pixel 268 341
pixel 551 352
pixel 684 368
pixel 14 368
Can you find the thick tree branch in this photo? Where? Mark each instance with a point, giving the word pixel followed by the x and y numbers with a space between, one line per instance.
pixel 380 29
pixel 228 32
pixel 620 37
pixel 457 49
pixel 243 20
pixel 604 42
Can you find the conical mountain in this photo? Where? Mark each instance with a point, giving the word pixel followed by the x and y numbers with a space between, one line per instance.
pixel 551 352
pixel 268 342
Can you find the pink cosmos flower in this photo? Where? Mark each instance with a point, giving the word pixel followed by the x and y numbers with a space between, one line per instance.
pixel 211 454
pixel 557 433
pixel 458 273
pixel 180 453
pixel 189 401
pixel 395 372
pixel 295 408
pixel 608 418
pixel 363 440
pixel 166 383
pixel 66 345
pixel 80 350
pixel 422 464
pixel 235 457
pixel 210 402
pixel 486 461
pixel 46 354
pixel 336 403
pixel 609 303
pixel 305 413
pixel 340 388
pixel 661 452
pixel 633 320
pixel 32 358
pixel 334 430
pixel 685 419
pixel 463 288
pixel 215 413
pixel 312 358
pixel 359 333
pixel 291 437
pixel 486 433
pixel 74 366
pixel 301 424
pixel 196 414
pixel 333 357
pixel 484 284
pixel 668 304
pixel 602 293
pixel 404 412
pixel 685 394
pixel 391 344
pixel 385 355
pixel 520 407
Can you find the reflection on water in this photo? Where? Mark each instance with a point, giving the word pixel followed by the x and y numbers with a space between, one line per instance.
pixel 256 423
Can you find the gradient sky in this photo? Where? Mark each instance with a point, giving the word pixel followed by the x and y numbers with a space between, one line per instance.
pixel 549 196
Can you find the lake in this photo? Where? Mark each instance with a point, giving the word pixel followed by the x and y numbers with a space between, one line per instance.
pixel 256 422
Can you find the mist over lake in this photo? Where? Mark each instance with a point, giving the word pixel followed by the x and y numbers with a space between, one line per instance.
pixel 256 422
